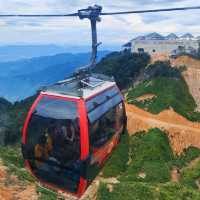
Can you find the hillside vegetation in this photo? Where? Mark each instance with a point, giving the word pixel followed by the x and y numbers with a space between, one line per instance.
pixel 12 117
pixel 169 89
pixel 169 93
pixel 142 163
pixel 160 79
pixel 148 171
pixel 123 66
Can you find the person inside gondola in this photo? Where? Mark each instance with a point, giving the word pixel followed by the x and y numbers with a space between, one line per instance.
pixel 41 151
pixel 43 154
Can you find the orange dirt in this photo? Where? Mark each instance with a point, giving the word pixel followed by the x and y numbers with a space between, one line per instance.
pixel 182 132
pixel 175 175
pixel 159 57
pixel 192 77
pixel 187 61
pixel 145 97
pixel 12 189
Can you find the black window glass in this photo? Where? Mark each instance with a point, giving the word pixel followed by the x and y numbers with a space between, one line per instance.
pixel 101 133
pixel 101 98
pixel 103 108
pixel 102 130
pixel 54 142
pixel 140 50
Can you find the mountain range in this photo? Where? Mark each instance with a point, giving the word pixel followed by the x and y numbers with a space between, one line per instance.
pixel 157 36
pixel 20 79
pixel 171 36
pixel 25 51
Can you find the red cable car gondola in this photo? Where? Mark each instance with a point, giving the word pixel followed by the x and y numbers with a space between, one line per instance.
pixel 73 126
pixel 71 129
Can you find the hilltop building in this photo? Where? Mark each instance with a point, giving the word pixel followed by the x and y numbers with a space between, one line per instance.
pixel 171 44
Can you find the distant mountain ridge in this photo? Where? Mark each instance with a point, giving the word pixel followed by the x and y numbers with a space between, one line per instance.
pixel 157 36
pixel 171 36
pixel 17 52
pixel 27 51
pixel 23 78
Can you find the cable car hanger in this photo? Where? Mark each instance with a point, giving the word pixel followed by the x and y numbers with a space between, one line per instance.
pixel 93 13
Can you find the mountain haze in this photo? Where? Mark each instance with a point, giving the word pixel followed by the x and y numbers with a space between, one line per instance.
pixel 20 79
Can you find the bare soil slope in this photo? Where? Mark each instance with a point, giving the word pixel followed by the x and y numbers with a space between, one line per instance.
pixel 159 57
pixel 182 132
pixel 12 189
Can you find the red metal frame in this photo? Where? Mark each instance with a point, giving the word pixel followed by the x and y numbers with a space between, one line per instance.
pixel 84 140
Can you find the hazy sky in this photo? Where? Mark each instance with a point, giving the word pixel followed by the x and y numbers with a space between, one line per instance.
pixel 112 29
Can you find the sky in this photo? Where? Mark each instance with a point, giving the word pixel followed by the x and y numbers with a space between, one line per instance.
pixel 112 30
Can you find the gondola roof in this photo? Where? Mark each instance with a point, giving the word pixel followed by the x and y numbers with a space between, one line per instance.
pixel 77 87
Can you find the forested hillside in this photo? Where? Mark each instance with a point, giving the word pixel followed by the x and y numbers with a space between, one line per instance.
pixel 123 66
pixel 12 117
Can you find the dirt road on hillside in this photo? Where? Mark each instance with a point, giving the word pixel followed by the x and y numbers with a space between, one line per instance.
pixel 182 132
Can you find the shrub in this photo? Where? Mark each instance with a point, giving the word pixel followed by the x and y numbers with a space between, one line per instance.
pixel 187 156
pixel 12 158
pixel 117 163
pixel 152 155
pixel 190 175
pixel 144 191
pixel 123 66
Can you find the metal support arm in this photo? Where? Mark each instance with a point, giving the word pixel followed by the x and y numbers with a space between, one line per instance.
pixel 93 14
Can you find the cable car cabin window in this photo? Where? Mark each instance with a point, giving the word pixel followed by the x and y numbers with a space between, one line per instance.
pixel 102 98
pixel 99 105
pixel 104 134
pixel 54 140
pixel 102 115
pixel 104 128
